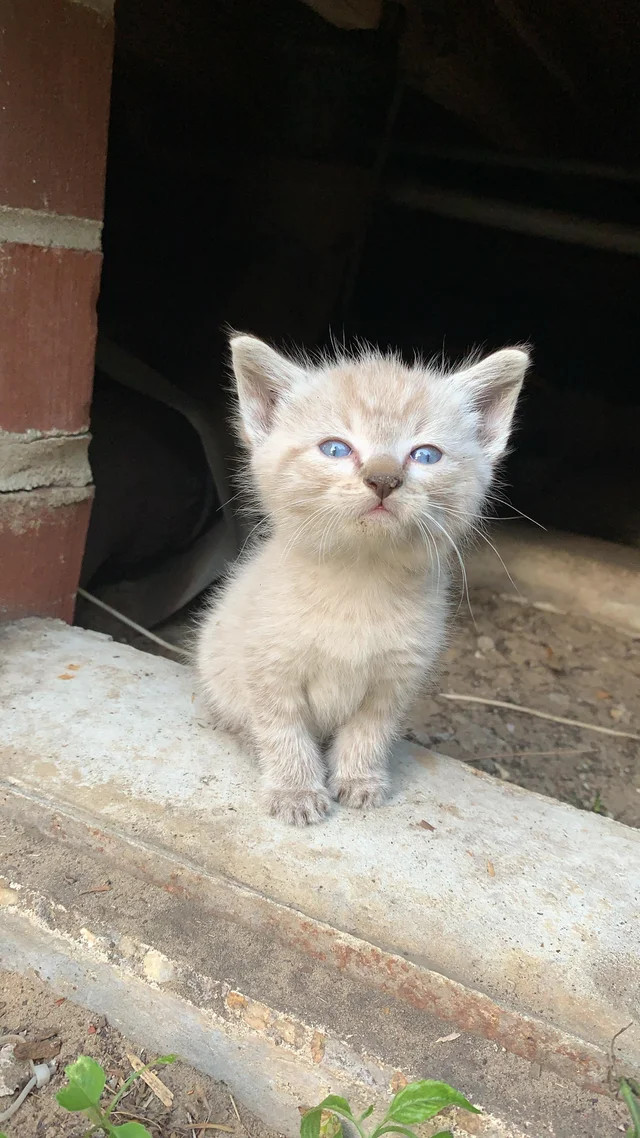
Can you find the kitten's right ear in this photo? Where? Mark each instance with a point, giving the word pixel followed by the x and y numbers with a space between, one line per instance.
pixel 263 377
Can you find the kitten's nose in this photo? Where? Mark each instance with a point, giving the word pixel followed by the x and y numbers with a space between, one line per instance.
pixel 383 475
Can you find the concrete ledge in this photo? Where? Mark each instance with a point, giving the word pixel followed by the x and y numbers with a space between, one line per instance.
pixel 577 574
pixel 466 908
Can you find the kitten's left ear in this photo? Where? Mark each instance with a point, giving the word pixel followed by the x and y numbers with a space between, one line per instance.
pixel 494 385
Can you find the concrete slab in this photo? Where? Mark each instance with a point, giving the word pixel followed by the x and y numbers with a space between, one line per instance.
pixel 467 907
pixel 583 575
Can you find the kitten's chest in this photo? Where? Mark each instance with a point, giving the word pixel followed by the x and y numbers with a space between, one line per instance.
pixel 354 622
pixel 359 638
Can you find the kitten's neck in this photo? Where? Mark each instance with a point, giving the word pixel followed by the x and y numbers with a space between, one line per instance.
pixel 365 558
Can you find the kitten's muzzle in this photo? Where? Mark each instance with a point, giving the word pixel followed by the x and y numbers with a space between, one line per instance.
pixel 383 475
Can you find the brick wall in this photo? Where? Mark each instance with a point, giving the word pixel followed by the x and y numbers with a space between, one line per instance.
pixel 54 106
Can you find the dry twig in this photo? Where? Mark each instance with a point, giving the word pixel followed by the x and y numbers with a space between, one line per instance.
pixel 153 1082
pixel 539 714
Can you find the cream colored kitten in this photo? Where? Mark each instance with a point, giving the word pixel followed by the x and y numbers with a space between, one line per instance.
pixel 371 473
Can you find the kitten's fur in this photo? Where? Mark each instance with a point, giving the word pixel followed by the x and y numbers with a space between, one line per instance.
pixel 328 628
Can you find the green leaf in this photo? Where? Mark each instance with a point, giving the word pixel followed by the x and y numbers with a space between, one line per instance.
pixel 85 1086
pixel 423 1099
pixel 330 1125
pixel 633 1106
pixel 340 1105
pixel 387 1127
pixel 366 1114
pixel 310 1123
pixel 443 1134
pixel 131 1130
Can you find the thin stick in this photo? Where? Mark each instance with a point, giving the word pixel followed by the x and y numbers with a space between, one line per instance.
pixel 207 1126
pixel 236 1112
pixel 539 714
pixel 139 1118
pixel 132 624
pixel 536 754
pixel 156 1086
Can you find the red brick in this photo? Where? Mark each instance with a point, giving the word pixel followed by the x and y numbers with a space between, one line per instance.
pixel 47 336
pixel 54 105
pixel 42 537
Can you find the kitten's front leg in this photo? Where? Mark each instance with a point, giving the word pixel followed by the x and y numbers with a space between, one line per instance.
pixel 292 768
pixel 360 752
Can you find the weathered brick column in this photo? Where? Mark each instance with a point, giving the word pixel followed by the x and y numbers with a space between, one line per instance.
pixel 54 105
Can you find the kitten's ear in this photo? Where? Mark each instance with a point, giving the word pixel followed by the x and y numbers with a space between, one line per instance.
pixel 494 385
pixel 263 377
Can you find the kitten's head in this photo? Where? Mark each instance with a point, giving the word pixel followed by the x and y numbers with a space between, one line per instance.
pixel 365 451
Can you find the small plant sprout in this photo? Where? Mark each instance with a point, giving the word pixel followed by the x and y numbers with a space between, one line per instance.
pixel 630 1093
pixel 84 1090
pixel 415 1103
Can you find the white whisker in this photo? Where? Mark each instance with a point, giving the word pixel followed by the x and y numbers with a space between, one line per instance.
pixel 461 563
pixel 505 502
pixel 478 531
pixel 424 528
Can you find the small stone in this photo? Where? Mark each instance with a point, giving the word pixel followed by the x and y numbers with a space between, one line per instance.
pixel 12 1071
pixel 485 644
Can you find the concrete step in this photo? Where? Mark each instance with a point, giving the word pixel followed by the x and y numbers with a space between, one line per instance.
pixel 469 931
pixel 577 574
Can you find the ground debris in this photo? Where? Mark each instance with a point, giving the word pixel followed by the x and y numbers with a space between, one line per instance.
pixel 39 1050
pixel 153 1082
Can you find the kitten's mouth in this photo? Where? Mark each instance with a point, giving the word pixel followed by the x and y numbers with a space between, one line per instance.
pixel 378 511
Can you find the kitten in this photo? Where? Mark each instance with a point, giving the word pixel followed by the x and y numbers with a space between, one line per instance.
pixel 370 473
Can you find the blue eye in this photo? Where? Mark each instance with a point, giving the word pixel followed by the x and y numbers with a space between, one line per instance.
pixel 426 455
pixel 334 448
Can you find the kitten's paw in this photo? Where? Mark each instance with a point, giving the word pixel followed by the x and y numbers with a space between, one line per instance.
pixel 358 792
pixel 298 807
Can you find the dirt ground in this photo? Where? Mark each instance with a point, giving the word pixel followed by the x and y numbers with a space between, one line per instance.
pixel 28 1006
pixel 553 662
pixel 560 664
